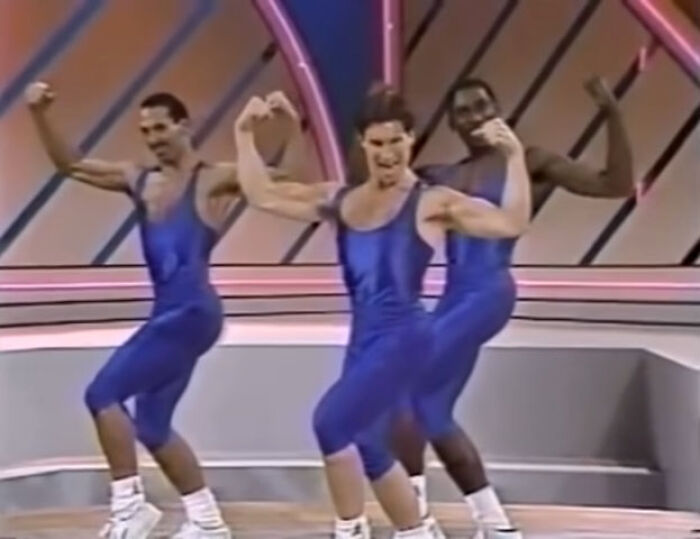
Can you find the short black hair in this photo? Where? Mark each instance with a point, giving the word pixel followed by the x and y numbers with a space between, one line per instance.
pixel 176 108
pixel 465 84
pixel 384 104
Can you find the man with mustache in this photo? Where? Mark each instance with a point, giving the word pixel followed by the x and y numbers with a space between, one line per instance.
pixel 182 203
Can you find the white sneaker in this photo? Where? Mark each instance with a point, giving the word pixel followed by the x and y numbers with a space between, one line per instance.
pixel 431 524
pixel 360 531
pixel 190 530
pixel 135 524
pixel 490 533
pixel 421 532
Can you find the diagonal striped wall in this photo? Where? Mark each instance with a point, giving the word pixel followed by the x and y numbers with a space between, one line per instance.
pixel 537 65
pixel 212 53
pixel 216 53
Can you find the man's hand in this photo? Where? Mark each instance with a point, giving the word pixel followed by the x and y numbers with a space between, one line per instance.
pixel 255 111
pixel 598 89
pixel 279 103
pixel 498 134
pixel 39 95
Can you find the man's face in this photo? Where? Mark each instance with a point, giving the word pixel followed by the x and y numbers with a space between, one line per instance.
pixel 165 137
pixel 471 107
pixel 387 147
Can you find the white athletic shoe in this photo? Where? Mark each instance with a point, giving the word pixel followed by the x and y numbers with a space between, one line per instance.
pixel 190 530
pixel 431 524
pixel 136 524
pixel 360 531
pixel 417 533
pixel 489 533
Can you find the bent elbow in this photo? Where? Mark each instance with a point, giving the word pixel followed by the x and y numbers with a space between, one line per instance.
pixel 516 228
pixel 620 186
pixel 68 168
pixel 626 191
pixel 266 204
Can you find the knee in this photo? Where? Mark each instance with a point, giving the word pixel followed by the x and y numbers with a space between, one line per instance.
pixel 152 434
pixel 435 421
pixel 376 459
pixel 327 432
pixel 100 394
pixel 455 450
pixel 404 423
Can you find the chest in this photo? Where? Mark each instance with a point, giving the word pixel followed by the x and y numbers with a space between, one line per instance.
pixel 163 193
pixel 362 209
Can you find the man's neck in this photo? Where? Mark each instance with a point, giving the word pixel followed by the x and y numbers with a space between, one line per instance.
pixel 475 152
pixel 185 163
pixel 406 181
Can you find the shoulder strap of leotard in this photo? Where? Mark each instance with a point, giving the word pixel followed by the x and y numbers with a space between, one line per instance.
pixel 194 175
pixel 140 183
pixel 331 210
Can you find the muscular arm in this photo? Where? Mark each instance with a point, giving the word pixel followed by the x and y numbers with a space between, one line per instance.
pixel 290 169
pixel 230 185
pixel 111 176
pixel 617 180
pixel 292 164
pixel 288 198
pixel 478 217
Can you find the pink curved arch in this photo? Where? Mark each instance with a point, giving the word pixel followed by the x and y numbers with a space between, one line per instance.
pixel 304 75
pixel 679 38
pixel 391 43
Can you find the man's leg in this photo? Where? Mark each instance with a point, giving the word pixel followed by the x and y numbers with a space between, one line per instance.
pixel 457 452
pixel 115 382
pixel 368 390
pixel 154 412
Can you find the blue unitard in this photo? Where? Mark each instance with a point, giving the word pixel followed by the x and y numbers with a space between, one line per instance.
pixel 476 304
pixel 156 363
pixel 390 336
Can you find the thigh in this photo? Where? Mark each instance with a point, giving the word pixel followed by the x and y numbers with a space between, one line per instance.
pixel 379 376
pixel 157 407
pixel 461 328
pixel 157 354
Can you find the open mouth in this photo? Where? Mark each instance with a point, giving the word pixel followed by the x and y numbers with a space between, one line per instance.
pixel 387 166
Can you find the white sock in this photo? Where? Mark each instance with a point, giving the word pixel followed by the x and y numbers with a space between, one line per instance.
pixel 419 485
pixel 127 494
pixel 201 509
pixel 349 525
pixel 487 509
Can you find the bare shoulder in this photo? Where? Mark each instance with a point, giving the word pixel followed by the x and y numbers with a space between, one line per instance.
pixel 440 198
pixel 434 200
pixel 110 175
pixel 437 194
pixel 222 173
pixel 224 170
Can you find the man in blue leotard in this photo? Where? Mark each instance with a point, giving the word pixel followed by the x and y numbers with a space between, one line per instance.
pixel 386 229
pixel 181 203
pixel 480 292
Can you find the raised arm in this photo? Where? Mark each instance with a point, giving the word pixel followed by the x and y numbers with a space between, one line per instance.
pixel 292 165
pixel 617 180
pixel 478 217
pixel 290 199
pixel 111 176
